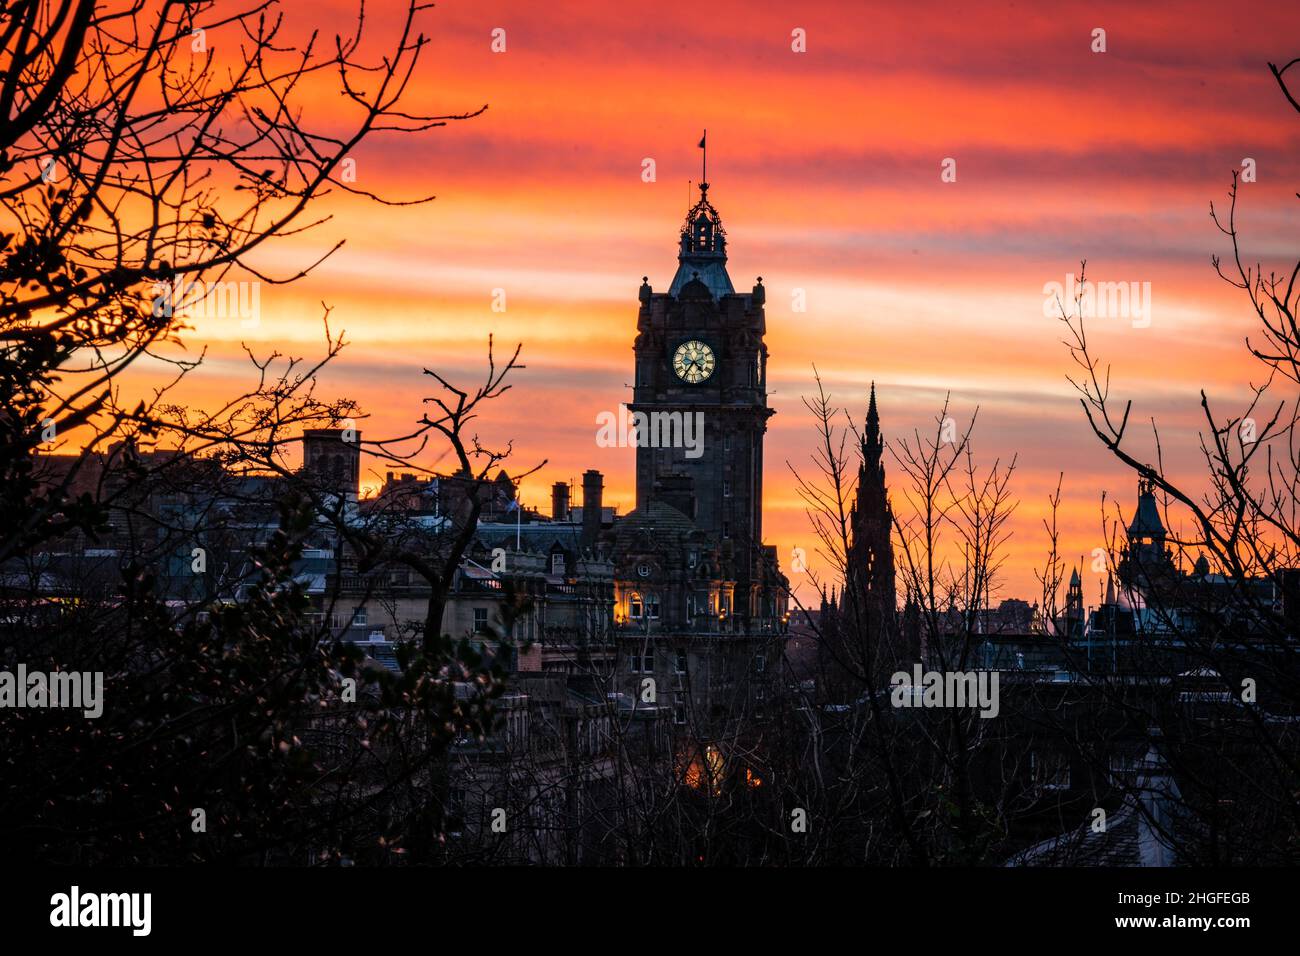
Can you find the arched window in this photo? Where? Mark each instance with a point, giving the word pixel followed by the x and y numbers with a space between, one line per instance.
pixel 703 232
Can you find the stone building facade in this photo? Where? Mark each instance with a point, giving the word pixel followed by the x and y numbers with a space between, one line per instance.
pixel 700 601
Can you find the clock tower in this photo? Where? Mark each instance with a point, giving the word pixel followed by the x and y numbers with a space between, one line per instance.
pixel 701 372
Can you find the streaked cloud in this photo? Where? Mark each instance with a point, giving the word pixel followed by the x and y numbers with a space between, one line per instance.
pixel 825 167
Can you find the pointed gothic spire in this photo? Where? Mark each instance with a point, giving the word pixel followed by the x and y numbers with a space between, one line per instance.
pixel 872 445
pixel 869 564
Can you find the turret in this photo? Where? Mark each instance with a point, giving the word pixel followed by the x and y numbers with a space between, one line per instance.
pixel 1146 561
pixel 1074 607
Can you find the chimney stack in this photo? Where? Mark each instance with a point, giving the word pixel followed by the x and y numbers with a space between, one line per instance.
pixel 592 486
pixel 559 501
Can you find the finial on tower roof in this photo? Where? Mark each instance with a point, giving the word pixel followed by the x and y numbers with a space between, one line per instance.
pixel 702 247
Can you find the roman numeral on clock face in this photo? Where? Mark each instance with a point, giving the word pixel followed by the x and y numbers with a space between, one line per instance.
pixel 694 361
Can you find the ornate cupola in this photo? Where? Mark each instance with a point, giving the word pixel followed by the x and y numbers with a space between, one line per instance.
pixel 702 252
pixel 1146 533
pixel 1146 562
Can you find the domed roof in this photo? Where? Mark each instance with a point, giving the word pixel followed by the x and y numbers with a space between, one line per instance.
pixel 657 518
pixel 695 289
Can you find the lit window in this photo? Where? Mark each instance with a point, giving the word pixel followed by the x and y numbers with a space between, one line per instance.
pixel 635 608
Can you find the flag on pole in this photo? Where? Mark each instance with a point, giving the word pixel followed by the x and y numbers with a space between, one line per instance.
pixel 519 512
pixel 703 138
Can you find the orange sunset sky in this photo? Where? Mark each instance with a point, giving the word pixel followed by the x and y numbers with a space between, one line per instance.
pixel 825 167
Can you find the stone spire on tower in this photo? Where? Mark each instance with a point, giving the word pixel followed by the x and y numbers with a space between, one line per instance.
pixel 872 446
pixel 869 571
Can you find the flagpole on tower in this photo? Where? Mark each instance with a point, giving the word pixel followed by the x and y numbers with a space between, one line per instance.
pixel 704 161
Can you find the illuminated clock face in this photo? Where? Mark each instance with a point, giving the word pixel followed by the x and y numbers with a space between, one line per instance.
pixel 693 362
